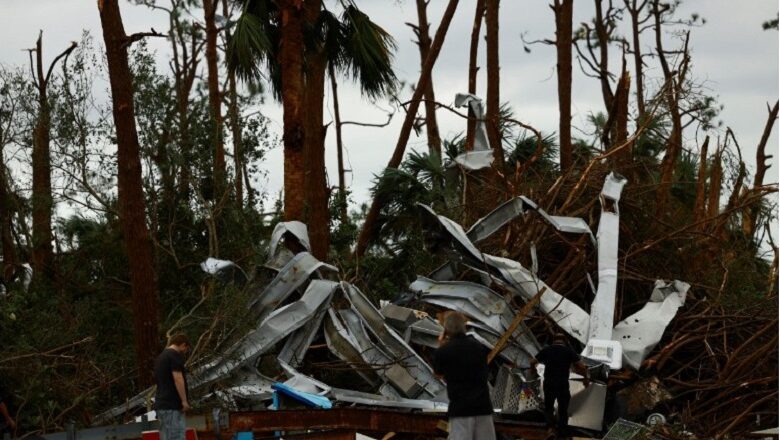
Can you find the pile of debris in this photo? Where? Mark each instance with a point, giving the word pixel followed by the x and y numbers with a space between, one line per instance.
pixel 385 347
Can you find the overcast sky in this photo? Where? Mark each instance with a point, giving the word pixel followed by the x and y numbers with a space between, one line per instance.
pixel 736 59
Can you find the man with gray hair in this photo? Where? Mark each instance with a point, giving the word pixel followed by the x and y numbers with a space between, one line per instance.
pixel 462 362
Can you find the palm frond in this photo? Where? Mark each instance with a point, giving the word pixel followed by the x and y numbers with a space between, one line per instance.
pixel 249 47
pixel 368 54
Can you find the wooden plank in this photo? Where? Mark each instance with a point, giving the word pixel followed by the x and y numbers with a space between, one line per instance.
pixel 515 324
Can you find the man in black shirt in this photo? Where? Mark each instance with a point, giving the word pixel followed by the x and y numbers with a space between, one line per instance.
pixel 462 361
pixel 170 401
pixel 558 359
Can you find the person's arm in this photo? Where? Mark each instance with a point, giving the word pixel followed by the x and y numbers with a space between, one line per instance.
pixel 582 369
pixel 181 388
pixel 8 419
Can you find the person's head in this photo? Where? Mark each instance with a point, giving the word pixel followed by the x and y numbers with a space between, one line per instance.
pixel 179 342
pixel 559 338
pixel 454 324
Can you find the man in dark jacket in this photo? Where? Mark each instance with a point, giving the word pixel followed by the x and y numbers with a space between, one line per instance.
pixel 462 362
pixel 558 359
pixel 170 401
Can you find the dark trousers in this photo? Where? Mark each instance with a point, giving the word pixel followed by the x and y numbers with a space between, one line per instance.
pixel 560 392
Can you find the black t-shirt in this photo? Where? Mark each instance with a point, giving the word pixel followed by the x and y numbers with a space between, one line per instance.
pixel 167 362
pixel 557 360
pixel 463 363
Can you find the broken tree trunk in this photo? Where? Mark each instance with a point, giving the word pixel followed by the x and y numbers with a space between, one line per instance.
pixel 701 185
pixel 424 44
pixel 563 33
pixel 493 99
pixel 473 69
pixel 132 207
pixel 750 216
pixel 42 202
pixel 367 233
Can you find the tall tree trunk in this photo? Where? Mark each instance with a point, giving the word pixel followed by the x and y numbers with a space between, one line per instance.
pixel 339 147
pixel 42 250
pixel 291 66
pixel 473 69
pixel 603 41
pixel 215 102
pixel 424 44
pixel 493 100
pixel 316 186
pixel 130 190
pixel 367 233
pixel 235 125
pixel 563 29
pixel 634 10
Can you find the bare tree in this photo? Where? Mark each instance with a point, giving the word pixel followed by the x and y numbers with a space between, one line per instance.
pixel 42 202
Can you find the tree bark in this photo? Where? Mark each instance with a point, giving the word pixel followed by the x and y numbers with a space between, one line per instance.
pixel 473 69
pixel 634 10
pixel 424 44
pixel 215 102
pixel 130 191
pixel 368 230
pixel 493 101
pixel 291 66
pixel 317 214
pixel 603 42
pixel 42 203
pixel 716 177
pixel 339 147
pixel 620 115
pixel 563 32
pixel 235 122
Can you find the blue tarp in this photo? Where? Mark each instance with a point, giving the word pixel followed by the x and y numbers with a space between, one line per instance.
pixel 307 399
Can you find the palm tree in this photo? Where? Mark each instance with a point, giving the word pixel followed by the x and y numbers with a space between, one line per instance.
pixel 351 45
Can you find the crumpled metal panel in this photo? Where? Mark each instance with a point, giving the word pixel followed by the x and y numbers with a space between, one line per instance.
pixel 302 382
pixel 477 108
pixel 586 408
pixel 296 228
pixel 602 308
pixel 640 332
pixel 342 344
pixel 395 345
pixel 296 272
pixel 495 219
pixel 475 159
pixel 475 300
pixel 513 352
pixel 350 396
pixel 225 270
pixel 277 325
pixel 568 315
pixel 298 343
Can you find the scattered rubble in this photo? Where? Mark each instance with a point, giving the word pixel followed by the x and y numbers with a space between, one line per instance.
pixel 385 347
